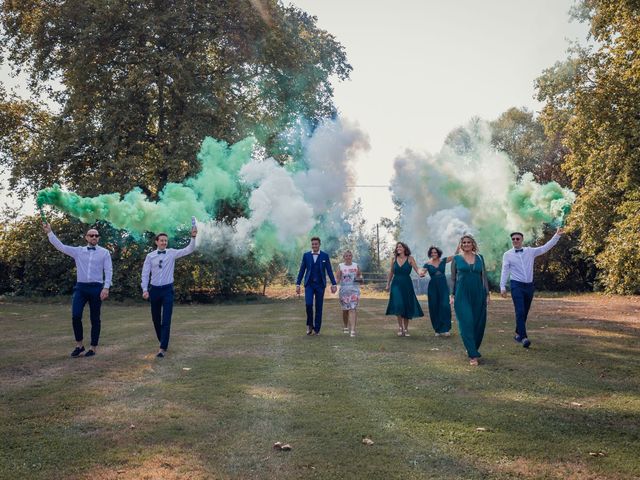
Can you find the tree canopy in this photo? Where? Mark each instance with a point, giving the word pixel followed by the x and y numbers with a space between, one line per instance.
pixel 138 85
pixel 593 102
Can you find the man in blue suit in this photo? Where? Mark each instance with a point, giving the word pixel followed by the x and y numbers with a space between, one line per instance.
pixel 315 267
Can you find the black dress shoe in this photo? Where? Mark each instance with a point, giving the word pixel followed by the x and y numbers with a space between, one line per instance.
pixel 77 351
pixel 160 355
pixel 526 343
pixel 90 353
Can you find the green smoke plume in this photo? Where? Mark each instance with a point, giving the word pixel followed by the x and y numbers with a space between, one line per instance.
pixel 218 180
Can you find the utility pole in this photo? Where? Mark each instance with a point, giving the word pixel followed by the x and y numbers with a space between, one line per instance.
pixel 378 242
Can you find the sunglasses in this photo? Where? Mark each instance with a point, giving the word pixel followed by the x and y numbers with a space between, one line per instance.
pixel 93 235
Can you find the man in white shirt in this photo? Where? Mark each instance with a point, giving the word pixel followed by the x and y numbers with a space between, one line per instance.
pixel 160 265
pixel 518 264
pixel 92 262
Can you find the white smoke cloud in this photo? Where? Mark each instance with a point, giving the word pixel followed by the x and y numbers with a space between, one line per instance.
pixel 469 187
pixel 292 203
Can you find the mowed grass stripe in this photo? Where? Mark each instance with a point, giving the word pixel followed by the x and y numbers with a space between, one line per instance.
pixel 254 378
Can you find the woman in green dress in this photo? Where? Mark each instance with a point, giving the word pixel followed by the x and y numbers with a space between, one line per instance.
pixel 402 299
pixel 470 295
pixel 438 292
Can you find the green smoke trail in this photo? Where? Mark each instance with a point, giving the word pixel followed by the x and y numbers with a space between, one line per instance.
pixel 535 203
pixel 199 196
pixel 134 212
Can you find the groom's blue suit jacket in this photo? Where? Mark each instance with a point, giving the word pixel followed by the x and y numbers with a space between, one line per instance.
pixel 306 268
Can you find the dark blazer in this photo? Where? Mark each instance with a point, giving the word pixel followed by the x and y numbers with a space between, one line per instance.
pixel 307 264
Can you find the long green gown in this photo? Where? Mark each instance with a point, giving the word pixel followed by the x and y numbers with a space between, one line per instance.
pixel 438 298
pixel 402 297
pixel 471 288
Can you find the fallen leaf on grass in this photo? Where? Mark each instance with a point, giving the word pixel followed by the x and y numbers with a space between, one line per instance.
pixel 186 369
pixel 367 441
pixel 500 331
pixel 597 454
pixel 435 349
pixel 482 429
pixel 280 446
pixel 576 404
pixel 132 426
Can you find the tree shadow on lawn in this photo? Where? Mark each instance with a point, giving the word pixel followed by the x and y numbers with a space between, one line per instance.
pixel 249 389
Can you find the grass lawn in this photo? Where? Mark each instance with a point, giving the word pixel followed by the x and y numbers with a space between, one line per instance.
pixel 240 377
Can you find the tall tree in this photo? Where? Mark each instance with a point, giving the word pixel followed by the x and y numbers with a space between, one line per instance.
pixel 140 84
pixel 124 92
pixel 594 101
pixel 522 136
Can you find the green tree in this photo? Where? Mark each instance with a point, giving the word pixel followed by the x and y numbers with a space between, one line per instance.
pixel 522 136
pixel 127 92
pixel 593 101
pixel 142 83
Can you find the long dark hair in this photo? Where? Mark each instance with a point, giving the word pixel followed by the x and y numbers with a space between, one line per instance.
pixel 407 250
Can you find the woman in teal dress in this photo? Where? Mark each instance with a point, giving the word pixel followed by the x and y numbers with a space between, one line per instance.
pixel 402 299
pixel 438 292
pixel 470 295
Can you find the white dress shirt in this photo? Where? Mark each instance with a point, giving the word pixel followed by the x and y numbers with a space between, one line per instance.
pixel 90 264
pixel 161 265
pixel 519 265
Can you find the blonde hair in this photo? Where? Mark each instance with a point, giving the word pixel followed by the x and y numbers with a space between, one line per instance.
pixel 473 241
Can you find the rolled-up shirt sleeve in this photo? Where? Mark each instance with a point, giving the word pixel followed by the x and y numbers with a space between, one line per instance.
pixel 146 270
pixel 107 266
pixel 537 251
pixel 66 249
pixel 183 252
pixel 505 273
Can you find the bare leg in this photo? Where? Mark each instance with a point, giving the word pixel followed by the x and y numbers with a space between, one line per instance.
pixel 345 321
pixel 406 326
pixel 400 327
pixel 353 318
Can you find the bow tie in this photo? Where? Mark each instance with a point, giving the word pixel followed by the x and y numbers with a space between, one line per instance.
pixel 162 252
pixel 91 248
pixel 519 250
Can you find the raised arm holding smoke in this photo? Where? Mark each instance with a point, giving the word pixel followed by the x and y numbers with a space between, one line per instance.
pixel 517 264
pixel 93 280
pixel 159 265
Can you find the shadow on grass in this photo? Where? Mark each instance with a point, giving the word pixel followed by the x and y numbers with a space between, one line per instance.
pixel 239 378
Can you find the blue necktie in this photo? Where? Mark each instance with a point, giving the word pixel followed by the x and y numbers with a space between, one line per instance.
pixel 91 248
pixel 162 252
pixel 519 250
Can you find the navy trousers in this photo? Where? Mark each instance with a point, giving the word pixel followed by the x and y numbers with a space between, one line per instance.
pixel 522 296
pixel 161 299
pixel 314 291
pixel 83 293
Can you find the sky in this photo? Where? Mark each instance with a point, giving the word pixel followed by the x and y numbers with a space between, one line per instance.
pixel 424 67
